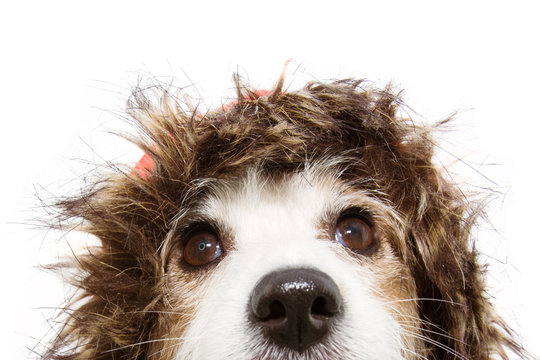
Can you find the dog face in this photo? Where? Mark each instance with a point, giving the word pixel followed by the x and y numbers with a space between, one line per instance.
pixel 287 225
pixel 295 268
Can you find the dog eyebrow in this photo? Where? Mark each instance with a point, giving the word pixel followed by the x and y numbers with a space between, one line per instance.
pixel 200 215
pixel 333 208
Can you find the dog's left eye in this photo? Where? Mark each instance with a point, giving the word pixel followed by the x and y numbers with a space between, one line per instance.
pixel 354 232
pixel 202 247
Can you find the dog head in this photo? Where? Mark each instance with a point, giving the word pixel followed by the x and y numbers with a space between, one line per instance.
pixel 296 225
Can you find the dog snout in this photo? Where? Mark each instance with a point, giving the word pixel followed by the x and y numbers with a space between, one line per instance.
pixel 295 307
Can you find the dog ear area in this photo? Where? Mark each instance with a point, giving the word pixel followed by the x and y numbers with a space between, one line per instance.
pixel 450 281
pixel 117 282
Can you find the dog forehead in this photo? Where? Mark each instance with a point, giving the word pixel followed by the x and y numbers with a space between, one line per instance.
pixel 278 209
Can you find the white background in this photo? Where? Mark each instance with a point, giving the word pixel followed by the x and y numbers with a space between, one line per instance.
pixel 66 68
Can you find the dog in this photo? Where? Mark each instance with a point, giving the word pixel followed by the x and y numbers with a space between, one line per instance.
pixel 309 224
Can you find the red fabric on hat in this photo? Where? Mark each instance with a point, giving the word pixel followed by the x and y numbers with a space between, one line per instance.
pixel 144 167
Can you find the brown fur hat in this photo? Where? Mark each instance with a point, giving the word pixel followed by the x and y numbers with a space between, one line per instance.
pixel 120 282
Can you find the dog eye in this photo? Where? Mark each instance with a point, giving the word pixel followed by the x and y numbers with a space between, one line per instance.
pixel 354 232
pixel 202 247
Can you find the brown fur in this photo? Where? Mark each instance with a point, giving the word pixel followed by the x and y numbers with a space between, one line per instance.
pixel 120 283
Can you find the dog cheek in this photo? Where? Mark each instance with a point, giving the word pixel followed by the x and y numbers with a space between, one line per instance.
pixel 397 290
pixel 182 292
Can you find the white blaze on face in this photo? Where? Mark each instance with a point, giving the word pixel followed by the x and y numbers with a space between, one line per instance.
pixel 283 224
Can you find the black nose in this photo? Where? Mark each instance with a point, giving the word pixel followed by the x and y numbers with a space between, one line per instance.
pixel 295 307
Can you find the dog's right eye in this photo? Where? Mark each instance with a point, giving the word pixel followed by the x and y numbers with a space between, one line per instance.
pixel 202 247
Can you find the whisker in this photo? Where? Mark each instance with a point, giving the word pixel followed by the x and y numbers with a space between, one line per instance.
pixel 141 343
pixel 425 299
pixel 445 335
pixel 164 349
pixel 415 353
pixel 436 343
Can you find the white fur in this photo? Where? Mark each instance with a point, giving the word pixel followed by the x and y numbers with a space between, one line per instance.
pixel 275 226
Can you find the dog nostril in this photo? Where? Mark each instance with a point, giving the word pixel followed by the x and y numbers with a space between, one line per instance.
pixel 277 311
pixel 295 307
pixel 320 308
